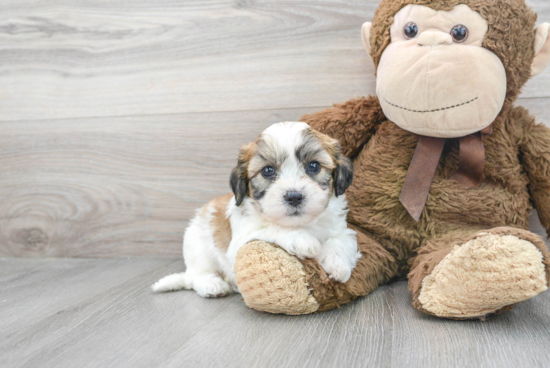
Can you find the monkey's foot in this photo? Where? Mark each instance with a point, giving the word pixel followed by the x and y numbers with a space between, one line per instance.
pixel 271 280
pixel 488 273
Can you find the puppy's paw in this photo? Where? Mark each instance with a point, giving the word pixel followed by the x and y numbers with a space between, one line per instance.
pixel 210 286
pixel 304 245
pixel 338 268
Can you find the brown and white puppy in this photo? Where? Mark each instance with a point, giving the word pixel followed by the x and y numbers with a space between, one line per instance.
pixel 288 189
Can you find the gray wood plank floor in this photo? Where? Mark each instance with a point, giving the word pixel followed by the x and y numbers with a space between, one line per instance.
pixel 101 313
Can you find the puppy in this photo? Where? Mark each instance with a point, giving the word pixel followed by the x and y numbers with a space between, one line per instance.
pixel 288 189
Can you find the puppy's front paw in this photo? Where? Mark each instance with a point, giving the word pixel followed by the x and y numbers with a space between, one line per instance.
pixel 303 245
pixel 337 267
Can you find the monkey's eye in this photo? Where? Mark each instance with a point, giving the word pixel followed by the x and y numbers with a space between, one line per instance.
pixel 268 171
pixel 313 167
pixel 459 33
pixel 410 30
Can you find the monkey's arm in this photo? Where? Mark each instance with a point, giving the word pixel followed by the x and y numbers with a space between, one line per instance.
pixel 535 150
pixel 352 123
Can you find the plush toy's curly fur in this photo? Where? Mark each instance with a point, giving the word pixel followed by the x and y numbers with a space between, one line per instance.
pixel 517 175
pixel 388 236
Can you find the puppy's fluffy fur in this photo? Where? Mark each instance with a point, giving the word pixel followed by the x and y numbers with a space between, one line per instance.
pixel 288 189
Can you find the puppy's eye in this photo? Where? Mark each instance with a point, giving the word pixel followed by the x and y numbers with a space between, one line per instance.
pixel 313 167
pixel 459 33
pixel 268 171
pixel 411 30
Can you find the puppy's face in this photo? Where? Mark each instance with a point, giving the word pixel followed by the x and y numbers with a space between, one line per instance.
pixel 291 172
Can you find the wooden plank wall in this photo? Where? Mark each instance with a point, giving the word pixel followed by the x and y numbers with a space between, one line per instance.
pixel 118 119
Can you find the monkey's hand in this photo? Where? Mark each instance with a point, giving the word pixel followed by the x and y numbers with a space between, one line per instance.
pixel 535 149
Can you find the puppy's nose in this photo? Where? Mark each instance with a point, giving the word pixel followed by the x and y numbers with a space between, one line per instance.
pixel 294 198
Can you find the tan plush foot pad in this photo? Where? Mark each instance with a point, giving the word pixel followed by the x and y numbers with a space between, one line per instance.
pixel 482 276
pixel 271 280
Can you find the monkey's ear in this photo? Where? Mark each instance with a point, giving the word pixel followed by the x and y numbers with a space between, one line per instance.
pixel 239 184
pixel 365 35
pixel 542 49
pixel 343 175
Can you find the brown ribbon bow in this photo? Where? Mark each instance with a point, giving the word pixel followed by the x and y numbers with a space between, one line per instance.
pixel 424 164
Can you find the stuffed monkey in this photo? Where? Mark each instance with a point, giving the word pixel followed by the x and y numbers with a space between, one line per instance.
pixel 447 169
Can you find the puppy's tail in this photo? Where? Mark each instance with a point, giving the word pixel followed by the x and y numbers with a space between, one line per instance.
pixel 176 281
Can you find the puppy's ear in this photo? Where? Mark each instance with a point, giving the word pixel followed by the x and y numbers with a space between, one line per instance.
pixel 342 175
pixel 239 176
pixel 239 185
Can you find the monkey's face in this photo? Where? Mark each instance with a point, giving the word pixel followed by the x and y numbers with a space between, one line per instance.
pixel 435 78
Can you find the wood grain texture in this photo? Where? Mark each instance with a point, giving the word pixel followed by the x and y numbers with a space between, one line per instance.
pixel 98 313
pixel 118 186
pixel 71 59
pixel 166 57
pixel 119 119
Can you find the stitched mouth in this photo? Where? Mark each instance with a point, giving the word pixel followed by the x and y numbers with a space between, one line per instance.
pixel 434 110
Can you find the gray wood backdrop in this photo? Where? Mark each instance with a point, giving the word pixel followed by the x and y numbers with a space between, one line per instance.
pixel 119 118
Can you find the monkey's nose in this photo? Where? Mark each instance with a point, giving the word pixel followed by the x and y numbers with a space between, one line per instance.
pixel 434 38
pixel 294 198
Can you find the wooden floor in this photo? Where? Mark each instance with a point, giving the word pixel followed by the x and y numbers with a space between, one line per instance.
pixel 101 313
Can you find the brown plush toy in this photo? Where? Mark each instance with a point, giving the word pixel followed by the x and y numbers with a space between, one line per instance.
pixel 446 168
